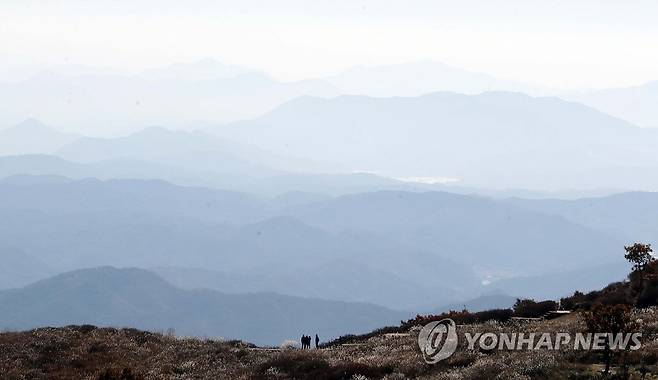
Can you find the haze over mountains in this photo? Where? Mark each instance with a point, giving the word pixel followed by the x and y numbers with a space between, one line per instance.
pixel 270 185
pixel 490 140
pixel 32 137
pixel 629 216
pixel 137 298
pixel 422 77
pixel 396 249
pixel 100 102
pixel 494 140
pixel 149 224
pixel 401 187
pixel 112 104
pixel 636 104
pixel 19 269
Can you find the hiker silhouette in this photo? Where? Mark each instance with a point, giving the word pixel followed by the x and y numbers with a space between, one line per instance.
pixel 317 341
pixel 306 341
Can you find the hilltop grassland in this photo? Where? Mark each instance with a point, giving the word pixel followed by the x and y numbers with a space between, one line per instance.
pixel 86 352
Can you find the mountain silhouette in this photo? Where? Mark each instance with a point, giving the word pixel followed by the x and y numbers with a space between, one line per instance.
pixel 492 140
pixel 137 298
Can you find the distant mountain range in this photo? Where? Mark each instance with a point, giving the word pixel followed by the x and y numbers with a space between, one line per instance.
pixel 421 77
pixel 150 223
pixel 476 230
pixel 496 141
pixel 558 284
pixel 97 101
pixel 19 269
pixel 636 104
pixel 629 216
pixel 398 249
pixel 137 298
pixel 492 140
pixel 32 137
pixel 395 195
pixel 251 182
pixel 193 151
pixel 280 185
pixel 211 92
pixel 109 104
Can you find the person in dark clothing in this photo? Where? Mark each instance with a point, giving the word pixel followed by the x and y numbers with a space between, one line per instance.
pixel 303 342
pixel 317 341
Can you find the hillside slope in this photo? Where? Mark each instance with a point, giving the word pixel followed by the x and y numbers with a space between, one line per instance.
pixel 88 352
pixel 484 233
pixel 409 248
pixel 132 297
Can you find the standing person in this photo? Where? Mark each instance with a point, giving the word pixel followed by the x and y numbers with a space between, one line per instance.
pixel 317 341
pixel 303 341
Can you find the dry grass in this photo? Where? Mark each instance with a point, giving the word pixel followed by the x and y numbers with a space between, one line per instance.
pixel 88 353
pixel 94 353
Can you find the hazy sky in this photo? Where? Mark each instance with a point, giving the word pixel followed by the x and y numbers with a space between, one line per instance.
pixel 574 43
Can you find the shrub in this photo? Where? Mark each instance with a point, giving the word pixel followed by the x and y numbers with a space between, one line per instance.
pixel 463 317
pixel 302 366
pixel 608 319
pixel 351 338
pixel 531 309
